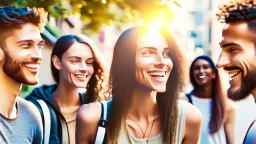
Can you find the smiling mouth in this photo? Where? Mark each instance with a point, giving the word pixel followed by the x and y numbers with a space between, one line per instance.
pixel 80 76
pixel 232 75
pixel 158 74
pixel 202 77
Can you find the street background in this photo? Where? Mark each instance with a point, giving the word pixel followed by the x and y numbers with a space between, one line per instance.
pixel 194 21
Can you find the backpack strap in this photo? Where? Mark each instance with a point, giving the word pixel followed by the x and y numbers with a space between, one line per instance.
pixel 102 124
pixel 189 97
pixel 65 133
pixel 47 120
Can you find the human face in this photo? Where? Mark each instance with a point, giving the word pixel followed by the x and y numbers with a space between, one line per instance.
pixel 153 62
pixel 77 65
pixel 238 59
pixel 22 54
pixel 203 72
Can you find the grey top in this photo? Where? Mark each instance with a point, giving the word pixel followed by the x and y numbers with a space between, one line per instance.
pixel 26 128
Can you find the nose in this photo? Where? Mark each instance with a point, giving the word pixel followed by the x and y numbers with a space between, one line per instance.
pixel 160 59
pixel 223 60
pixel 37 54
pixel 201 70
pixel 83 67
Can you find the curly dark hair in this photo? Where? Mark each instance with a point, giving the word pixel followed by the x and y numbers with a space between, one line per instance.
pixel 12 17
pixel 238 10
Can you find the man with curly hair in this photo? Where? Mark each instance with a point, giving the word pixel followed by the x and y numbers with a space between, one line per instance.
pixel 20 58
pixel 238 55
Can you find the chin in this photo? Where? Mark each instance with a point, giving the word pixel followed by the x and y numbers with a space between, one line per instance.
pixel 80 85
pixel 160 90
pixel 237 95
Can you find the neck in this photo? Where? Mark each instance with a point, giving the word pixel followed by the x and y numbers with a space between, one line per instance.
pixel 143 104
pixel 203 91
pixel 66 95
pixel 8 93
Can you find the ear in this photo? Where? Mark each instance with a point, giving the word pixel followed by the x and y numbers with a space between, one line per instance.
pixel 56 62
pixel 214 76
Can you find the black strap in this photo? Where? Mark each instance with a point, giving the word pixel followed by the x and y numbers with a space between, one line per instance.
pixel 189 95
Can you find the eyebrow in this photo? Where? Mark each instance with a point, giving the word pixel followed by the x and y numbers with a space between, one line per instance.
pixel 29 41
pixel 154 48
pixel 80 57
pixel 228 44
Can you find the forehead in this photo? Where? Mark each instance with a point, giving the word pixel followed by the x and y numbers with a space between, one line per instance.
pixel 236 32
pixel 151 39
pixel 27 32
pixel 201 62
pixel 79 49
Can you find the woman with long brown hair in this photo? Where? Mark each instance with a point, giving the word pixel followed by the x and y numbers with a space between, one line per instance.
pixel 147 74
pixel 209 96
pixel 75 64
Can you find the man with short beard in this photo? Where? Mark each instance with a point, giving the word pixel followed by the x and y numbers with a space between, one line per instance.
pixel 20 58
pixel 238 55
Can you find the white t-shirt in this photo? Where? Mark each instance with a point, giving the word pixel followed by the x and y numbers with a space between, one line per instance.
pixel 204 105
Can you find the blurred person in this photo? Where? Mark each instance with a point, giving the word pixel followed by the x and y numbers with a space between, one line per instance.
pixel 210 98
pixel 75 64
pixel 147 74
pixel 238 55
pixel 20 58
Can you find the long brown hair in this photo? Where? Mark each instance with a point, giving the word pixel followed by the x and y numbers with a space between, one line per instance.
pixel 123 81
pixel 95 84
pixel 217 95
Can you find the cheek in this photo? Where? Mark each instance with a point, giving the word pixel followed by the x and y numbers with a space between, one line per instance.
pixel 91 70
pixel 143 63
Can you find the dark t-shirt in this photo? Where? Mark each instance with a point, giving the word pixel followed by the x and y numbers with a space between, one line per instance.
pixel 26 128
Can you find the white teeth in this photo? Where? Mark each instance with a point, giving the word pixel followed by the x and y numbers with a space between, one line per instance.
pixel 32 65
pixel 157 74
pixel 81 76
pixel 232 75
pixel 202 77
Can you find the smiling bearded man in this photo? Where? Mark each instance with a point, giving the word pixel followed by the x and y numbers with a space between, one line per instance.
pixel 238 55
pixel 20 58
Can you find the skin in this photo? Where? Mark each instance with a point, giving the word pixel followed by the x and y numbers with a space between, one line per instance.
pixel 152 58
pixel 203 69
pixel 238 56
pixel 75 70
pixel 20 58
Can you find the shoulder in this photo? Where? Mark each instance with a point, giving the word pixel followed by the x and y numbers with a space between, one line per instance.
pixel 28 107
pixel 231 107
pixel 193 115
pixel 89 113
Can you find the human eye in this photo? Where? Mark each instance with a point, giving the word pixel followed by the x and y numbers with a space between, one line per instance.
pixel 147 53
pixel 90 62
pixel 41 45
pixel 167 54
pixel 233 49
pixel 25 45
pixel 74 61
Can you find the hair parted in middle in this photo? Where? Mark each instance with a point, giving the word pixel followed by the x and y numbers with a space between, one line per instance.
pixel 123 80
pixel 96 84
pixel 218 94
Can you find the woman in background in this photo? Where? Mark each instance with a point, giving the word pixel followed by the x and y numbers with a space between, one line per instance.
pixel 75 64
pixel 210 97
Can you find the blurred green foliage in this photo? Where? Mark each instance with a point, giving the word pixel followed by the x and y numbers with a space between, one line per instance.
pixel 95 13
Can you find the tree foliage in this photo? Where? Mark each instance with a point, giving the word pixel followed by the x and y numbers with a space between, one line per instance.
pixel 95 13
